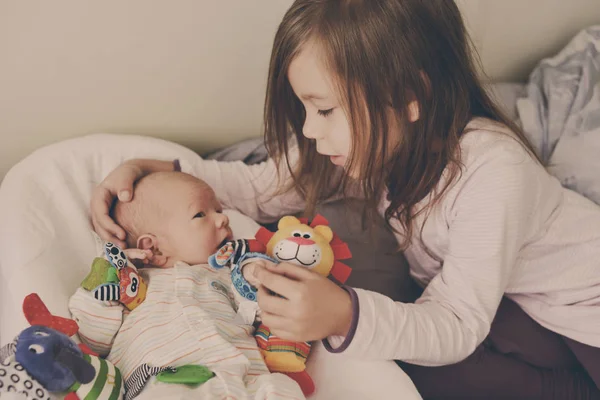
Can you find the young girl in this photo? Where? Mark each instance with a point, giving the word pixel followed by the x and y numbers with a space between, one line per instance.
pixel 380 99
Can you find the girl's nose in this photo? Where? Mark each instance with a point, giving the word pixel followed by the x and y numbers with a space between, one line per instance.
pixel 309 130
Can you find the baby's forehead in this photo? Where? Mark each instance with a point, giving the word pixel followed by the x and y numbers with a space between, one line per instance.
pixel 198 192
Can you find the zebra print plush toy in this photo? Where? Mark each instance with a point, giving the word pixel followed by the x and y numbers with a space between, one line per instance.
pixel 113 278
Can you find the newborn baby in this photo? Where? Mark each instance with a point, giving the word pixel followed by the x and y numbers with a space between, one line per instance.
pixel 189 316
pixel 172 217
pixel 175 217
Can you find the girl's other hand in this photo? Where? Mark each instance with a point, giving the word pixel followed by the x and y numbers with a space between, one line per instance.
pixel 250 271
pixel 313 307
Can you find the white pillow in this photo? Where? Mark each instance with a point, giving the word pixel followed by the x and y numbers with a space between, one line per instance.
pixel 46 239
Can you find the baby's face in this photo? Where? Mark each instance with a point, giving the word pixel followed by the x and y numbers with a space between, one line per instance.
pixel 195 224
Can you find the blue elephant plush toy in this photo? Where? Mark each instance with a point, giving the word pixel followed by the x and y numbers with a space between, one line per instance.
pixel 52 358
pixel 44 359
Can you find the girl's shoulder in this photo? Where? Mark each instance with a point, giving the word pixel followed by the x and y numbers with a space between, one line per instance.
pixel 485 141
pixel 492 157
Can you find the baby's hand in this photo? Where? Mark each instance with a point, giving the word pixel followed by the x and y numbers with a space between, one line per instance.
pixel 249 270
pixel 145 258
pixel 138 257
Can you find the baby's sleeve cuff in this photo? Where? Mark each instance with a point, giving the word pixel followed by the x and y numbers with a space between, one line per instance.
pixel 338 344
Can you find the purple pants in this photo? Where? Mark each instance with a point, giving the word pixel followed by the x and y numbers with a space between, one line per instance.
pixel 519 360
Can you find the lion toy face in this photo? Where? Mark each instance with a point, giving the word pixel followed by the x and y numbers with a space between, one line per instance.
pixel 313 246
pixel 298 243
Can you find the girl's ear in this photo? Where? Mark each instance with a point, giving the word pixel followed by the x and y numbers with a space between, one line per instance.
pixel 413 111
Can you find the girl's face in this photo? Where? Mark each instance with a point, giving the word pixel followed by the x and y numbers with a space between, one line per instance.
pixel 326 121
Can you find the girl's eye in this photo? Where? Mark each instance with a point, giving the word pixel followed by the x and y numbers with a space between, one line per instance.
pixel 325 113
pixel 200 215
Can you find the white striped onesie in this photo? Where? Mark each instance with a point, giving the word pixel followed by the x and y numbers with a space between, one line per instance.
pixel 188 317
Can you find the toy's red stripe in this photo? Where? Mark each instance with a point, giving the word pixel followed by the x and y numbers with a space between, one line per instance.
pixel 256 246
pixel 341 251
pixel 319 220
pixel 264 235
pixel 340 271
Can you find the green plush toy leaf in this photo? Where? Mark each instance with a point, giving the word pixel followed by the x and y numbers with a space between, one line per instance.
pixel 98 275
pixel 186 374
pixel 112 275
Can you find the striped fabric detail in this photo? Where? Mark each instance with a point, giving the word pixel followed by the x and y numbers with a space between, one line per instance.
pixel 241 247
pixel 107 292
pixel 271 343
pixel 99 321
pixel 231 252
pixel 136 382
pixel 7 351
pixel 106 385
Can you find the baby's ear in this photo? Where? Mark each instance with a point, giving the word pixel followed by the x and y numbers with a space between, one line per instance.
pixel 147 242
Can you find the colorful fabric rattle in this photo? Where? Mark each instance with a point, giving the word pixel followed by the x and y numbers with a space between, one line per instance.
pixel 114 278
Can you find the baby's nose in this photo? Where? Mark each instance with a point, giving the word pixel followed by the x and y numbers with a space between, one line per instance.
pixel 222 221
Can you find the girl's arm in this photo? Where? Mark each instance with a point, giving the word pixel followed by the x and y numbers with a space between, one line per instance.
pixel 251 189
pixel 490 215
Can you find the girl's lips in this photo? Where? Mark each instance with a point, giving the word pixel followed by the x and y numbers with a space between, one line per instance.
pixel 338 160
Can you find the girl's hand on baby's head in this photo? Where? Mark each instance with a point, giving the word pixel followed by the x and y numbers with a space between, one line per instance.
pixel 312 307
pixel 118 184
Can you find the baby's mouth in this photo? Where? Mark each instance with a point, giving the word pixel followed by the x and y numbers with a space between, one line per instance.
pixel 227 239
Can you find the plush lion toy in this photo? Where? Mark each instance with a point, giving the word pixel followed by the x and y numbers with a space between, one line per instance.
pixel 313 246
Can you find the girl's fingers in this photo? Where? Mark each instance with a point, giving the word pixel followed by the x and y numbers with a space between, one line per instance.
pixel 104 225
pixel 278 283
pixel 272 304
pixel 292 271
pixel 123 188
pixel 109 237
pixel 107 223
pixel 275 322
pixel 119 184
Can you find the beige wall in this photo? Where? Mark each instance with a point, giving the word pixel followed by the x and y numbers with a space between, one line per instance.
pixel 193 71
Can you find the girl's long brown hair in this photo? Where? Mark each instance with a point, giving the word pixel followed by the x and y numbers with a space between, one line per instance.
pixel 383 54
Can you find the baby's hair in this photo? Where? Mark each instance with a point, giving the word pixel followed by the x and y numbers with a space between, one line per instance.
pixel 382 55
